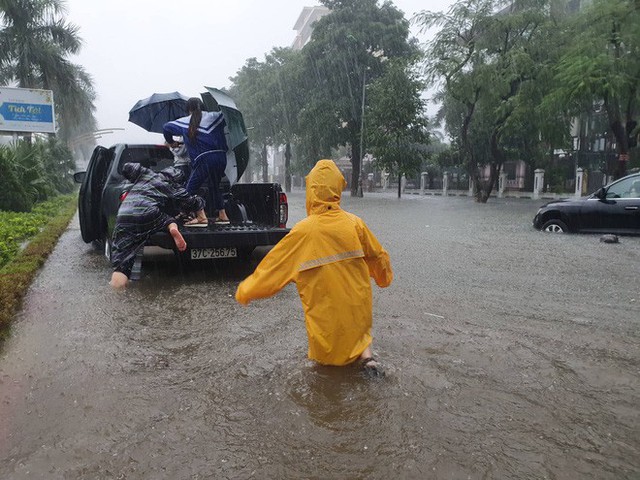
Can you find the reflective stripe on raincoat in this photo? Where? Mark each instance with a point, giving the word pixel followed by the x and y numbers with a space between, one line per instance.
pixel 330 255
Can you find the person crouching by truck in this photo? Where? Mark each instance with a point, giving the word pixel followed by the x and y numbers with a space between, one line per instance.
pixel 147 209
pixel 330 255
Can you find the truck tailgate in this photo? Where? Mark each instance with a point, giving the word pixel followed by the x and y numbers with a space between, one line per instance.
pixel 232 235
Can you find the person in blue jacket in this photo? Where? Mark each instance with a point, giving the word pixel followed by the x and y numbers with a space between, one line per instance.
pixel 203 134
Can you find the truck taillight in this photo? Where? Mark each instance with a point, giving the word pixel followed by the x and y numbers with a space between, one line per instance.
pixel 123 195
pixel 284 210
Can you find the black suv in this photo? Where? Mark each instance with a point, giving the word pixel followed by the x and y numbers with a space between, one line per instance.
pixel 614 208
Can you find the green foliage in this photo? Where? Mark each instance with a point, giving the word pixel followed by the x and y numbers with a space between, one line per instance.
pixel 396 132
pixel 15 227
pixel 312 99
pixel 494 68
pixel 601 66
pixel 602 60
pixel 344 54
pixel 266 94
pixel 13 195
pixel 51 220
pixel 33 172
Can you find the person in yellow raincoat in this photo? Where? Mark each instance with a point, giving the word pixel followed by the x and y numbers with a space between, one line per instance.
pixel 330 255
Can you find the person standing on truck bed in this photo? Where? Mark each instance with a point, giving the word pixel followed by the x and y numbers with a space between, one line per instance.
pixel 330 256
pixel 147 209
pixel 203 134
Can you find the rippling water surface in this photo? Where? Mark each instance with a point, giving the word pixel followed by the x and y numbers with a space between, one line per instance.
pixel 509 354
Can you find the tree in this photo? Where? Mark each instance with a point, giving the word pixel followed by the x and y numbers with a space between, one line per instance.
pixel 493 66
pixel 338 61
pixel 35 45
pixel 289 100
pixel 75 98
pixel 266 95
pixel 397 136
pixel 255 99
pixel 602 66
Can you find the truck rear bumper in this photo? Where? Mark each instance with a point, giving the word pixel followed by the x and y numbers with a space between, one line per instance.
pixel 241 236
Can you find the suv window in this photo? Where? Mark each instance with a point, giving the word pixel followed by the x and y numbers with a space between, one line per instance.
pixel 622 189
pixel 155 158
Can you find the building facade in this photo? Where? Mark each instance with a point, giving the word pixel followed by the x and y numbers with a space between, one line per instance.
pixel 304 25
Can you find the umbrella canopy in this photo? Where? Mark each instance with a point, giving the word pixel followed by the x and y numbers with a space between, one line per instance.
pixel 153 112
pixel 238 154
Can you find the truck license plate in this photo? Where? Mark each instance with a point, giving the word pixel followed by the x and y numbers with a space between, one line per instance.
pixel 206 253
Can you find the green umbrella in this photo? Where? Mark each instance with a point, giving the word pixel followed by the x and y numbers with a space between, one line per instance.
pixel 238 158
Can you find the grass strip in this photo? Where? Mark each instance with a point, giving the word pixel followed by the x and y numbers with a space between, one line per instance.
pixel 17 275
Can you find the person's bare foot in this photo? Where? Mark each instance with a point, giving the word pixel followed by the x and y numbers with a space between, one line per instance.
pixel 118 280
pixel 178 239
pixel 200 220
pixel 367 353
pixel 222 215
pixel 370 366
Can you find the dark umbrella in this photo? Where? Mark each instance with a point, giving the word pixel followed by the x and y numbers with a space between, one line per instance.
pixel 153 112
pixel 238 156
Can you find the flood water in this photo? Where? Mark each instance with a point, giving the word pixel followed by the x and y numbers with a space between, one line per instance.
pixel 509 354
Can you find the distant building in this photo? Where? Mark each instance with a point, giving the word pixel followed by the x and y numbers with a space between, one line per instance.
pixel 304 25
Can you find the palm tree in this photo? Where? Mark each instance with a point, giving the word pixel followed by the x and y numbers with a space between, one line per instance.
pixel 35 43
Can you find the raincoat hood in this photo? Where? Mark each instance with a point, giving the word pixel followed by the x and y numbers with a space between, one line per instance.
pixel 325 184
pixel 131 171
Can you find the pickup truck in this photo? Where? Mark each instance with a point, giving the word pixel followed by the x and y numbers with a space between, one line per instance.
pixel 258 211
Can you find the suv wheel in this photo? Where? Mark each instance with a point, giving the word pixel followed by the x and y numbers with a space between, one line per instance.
pixel 555 226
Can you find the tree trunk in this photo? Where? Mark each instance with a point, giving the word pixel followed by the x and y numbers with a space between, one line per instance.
pixel 614 113
pixel 485 187
pixel 483 192
pixel 399 185
pixel 614 116
pixel 469 156
pixel 622 141
pixel 355 164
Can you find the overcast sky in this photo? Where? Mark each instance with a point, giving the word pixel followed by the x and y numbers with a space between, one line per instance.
pixel 134 48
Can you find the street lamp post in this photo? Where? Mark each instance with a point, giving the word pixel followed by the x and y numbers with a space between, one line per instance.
pixel 364 80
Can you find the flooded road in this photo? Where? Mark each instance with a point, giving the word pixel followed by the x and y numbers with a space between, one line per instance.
pixel 509 354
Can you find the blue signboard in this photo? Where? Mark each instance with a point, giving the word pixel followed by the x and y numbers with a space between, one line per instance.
pixel 26 110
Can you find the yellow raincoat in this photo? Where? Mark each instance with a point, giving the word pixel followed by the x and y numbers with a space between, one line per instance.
pixel 330 255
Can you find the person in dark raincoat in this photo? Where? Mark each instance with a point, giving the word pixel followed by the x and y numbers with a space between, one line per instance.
pixel 331 256
pixel 147 208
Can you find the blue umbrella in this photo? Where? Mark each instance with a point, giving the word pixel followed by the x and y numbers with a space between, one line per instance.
pixel 153 112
